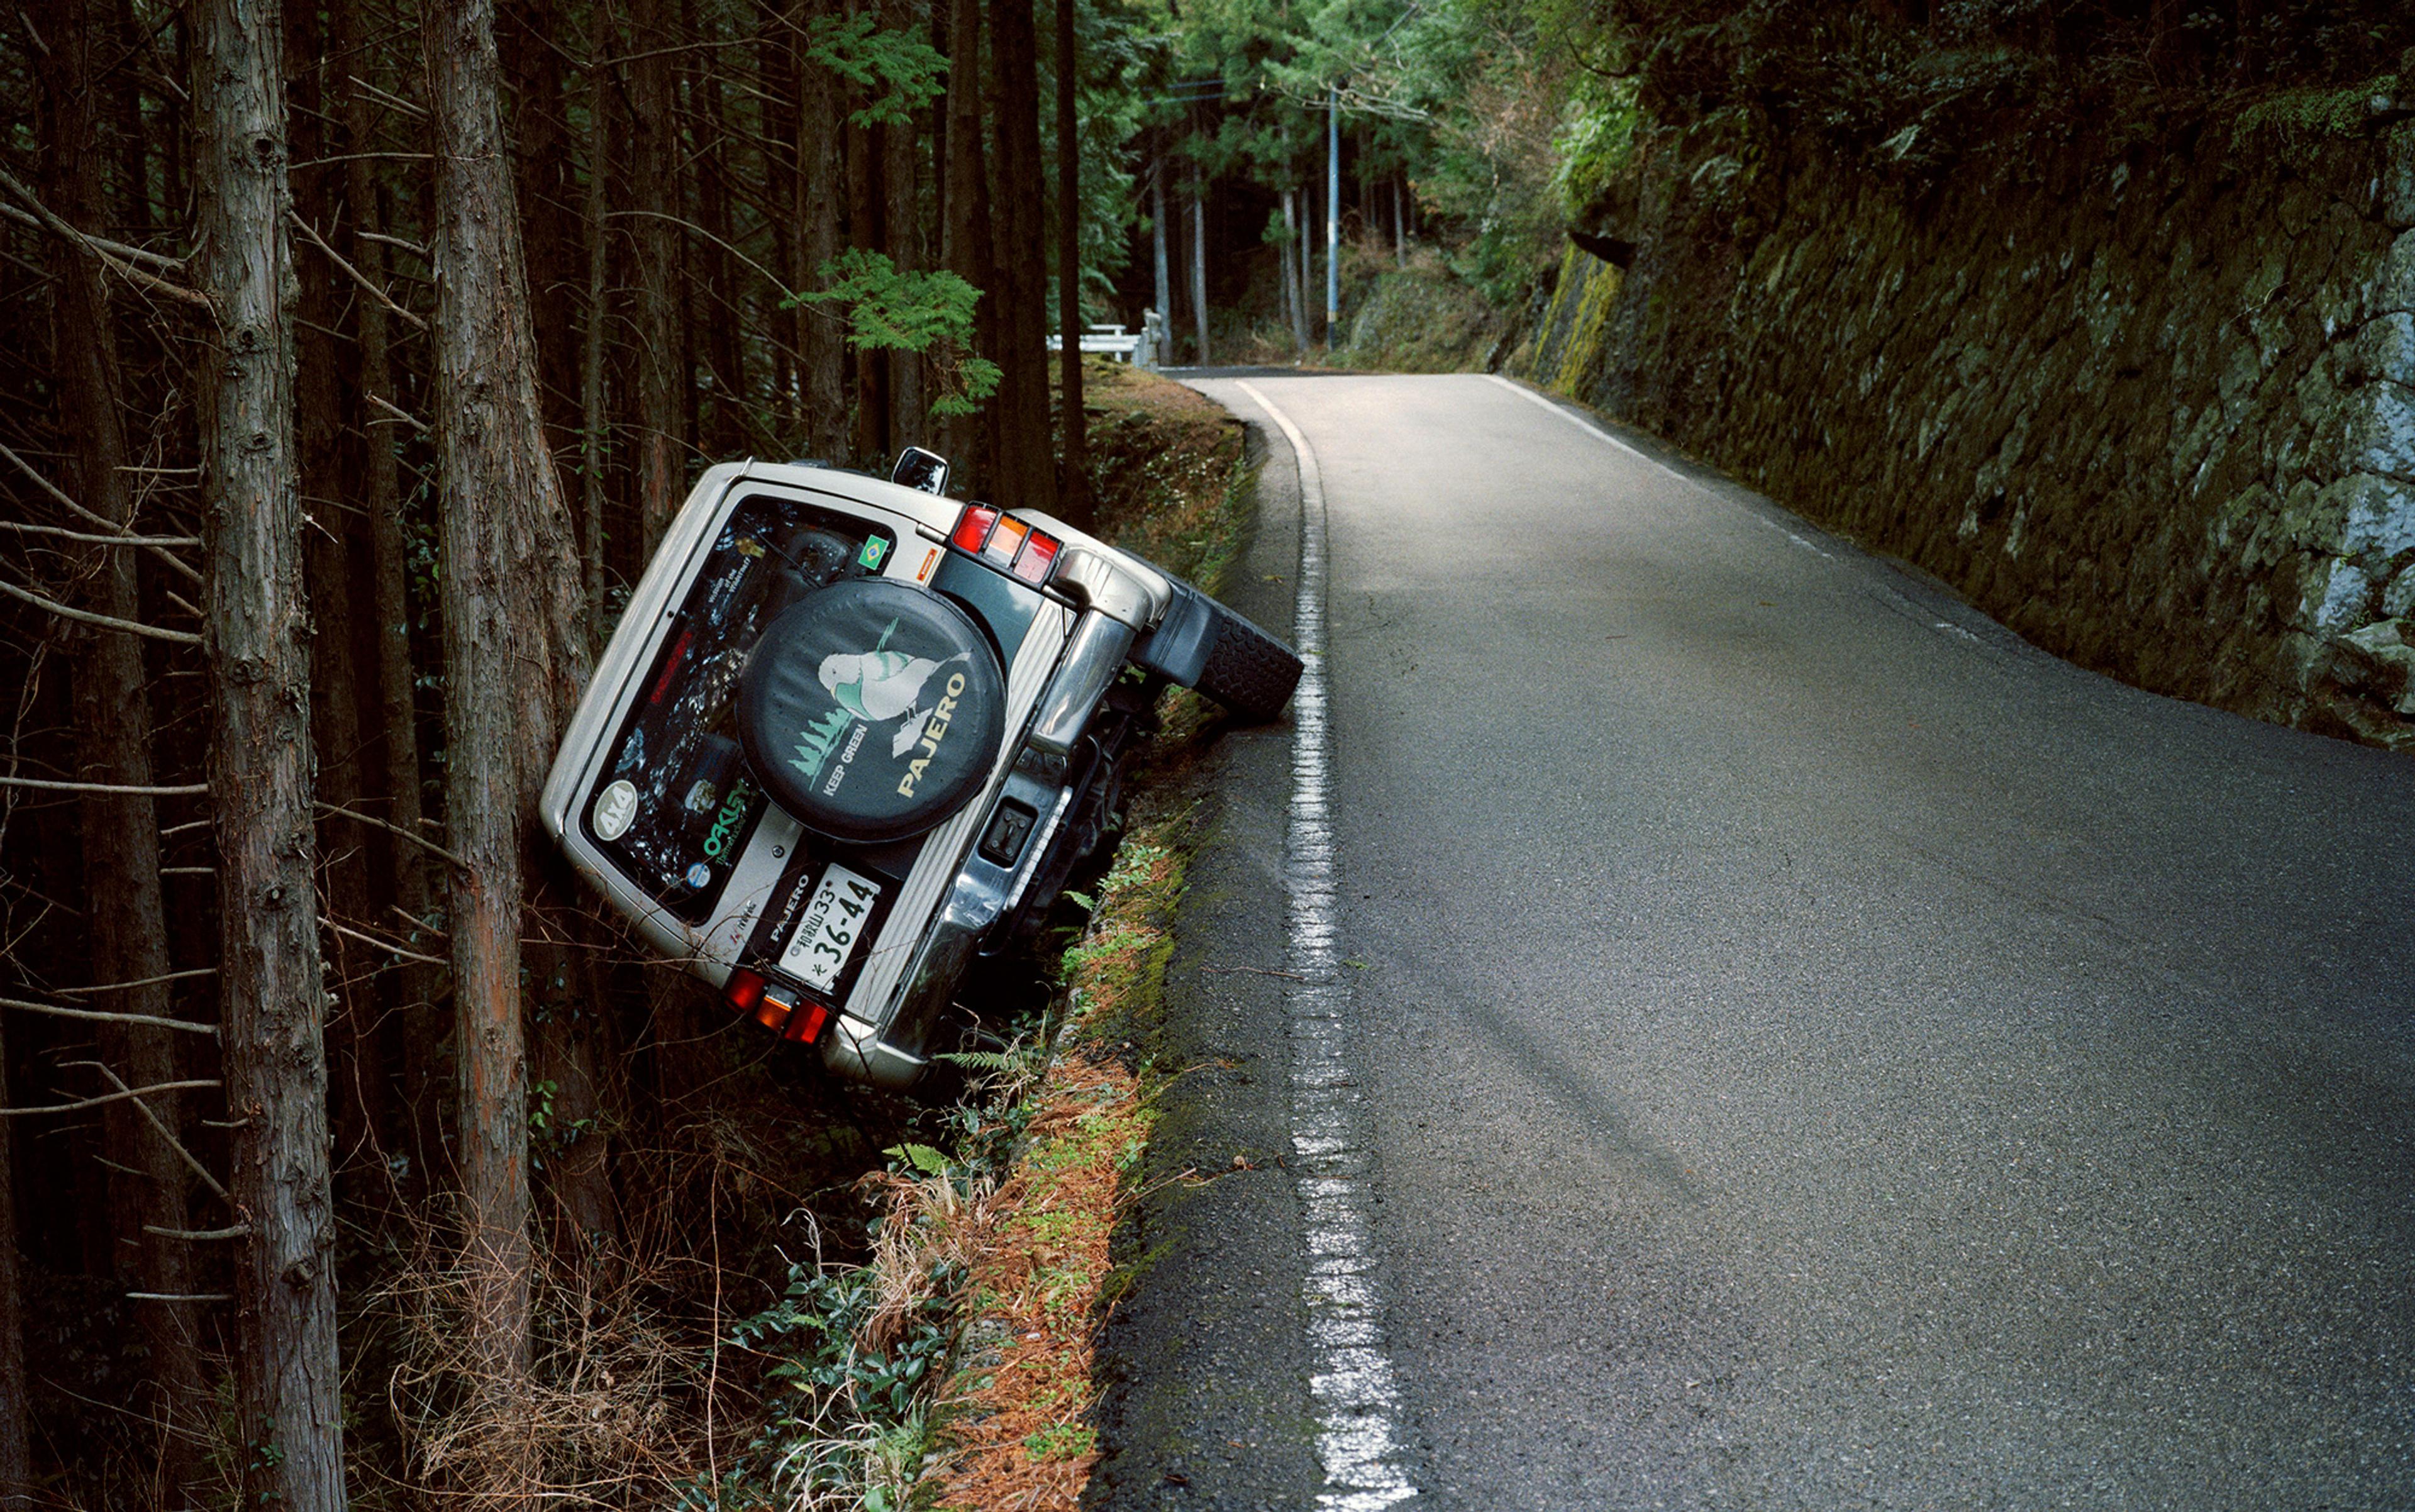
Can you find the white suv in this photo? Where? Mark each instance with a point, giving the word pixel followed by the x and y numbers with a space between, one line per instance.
pixel 852 735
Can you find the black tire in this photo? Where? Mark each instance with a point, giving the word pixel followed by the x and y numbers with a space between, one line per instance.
pixel 1248 671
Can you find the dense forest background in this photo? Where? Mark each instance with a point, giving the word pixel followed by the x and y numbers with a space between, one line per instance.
pixel 354 358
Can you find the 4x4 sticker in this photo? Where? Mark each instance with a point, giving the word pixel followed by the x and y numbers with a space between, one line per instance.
pixel 616 807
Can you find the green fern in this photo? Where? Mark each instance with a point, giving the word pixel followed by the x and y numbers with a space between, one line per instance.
pixel 981 1060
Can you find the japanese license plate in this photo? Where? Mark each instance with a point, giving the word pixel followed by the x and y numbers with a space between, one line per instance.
pixel 826 937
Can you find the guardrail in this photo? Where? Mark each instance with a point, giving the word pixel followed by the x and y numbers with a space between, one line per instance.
pixel 1141 348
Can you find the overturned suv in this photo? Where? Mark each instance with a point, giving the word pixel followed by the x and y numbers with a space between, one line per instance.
pixel 852 735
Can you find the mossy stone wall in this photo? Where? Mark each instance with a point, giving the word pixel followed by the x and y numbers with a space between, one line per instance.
pixel 2155 411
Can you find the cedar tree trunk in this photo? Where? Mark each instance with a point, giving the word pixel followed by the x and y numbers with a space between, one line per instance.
pixel 514 657
pixel 121 835
pixel 257 651
pixel 1026 475
pixel 414 986
pixel 965 236
pixel 1073 492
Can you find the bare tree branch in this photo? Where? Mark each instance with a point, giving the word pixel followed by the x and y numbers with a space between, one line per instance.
pixel 133 254
pixel 240 1231
pixel 149 280
pixel 113 1097
pixel 393 829
pixel 353 273
pixel 173 1143
pixel 178 638
pixel 79 511
pixel 382 945
pixel 61 1010
pixel 786 293
pixel 100 540
pixel 399 413
pixel 127 986
pixel 179 790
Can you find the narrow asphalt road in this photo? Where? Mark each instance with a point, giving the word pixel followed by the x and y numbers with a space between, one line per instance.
pixel 1813 1049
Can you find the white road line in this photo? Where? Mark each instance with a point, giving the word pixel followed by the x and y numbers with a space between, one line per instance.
pixel 1359 1436
pixel 1586 426
pixel 1591 429
pixel 1807 545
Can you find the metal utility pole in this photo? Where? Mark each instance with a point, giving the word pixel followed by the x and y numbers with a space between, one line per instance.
pixel 1332 212
pixel 1164 286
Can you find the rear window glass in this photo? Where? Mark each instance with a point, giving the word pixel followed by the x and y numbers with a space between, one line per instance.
pixel 676 805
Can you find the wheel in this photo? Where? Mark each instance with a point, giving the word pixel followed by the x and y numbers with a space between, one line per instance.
pixel 1205 645
pixel 872 710
pixel 1248 671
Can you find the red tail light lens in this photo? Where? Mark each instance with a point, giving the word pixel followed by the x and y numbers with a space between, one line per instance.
pixel 744 991
pixel 1038 558
pixel 973 527
pixel 806 1022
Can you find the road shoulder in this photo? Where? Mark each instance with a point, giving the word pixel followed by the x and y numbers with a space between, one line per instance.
pixel 1202 1363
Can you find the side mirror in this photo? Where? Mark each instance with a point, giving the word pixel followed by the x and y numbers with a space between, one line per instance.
pixel 918 469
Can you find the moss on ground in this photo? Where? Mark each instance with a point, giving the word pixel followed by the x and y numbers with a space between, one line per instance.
pixel 1016 1428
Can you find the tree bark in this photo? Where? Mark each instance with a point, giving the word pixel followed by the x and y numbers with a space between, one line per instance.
pixel 1026 475
pixel 901 172
pixel 16 1465
pixel 540 134
pixel 964 246
pixel 1309 303
pixel 1295 277
pixel 653 181
pixel 514 660
pixel 357 1108
pixel 716 307
pixel 594 417
pixel 820 189
pixel 868 228
pixel 1073 480
pixel 412 986
pixel 289 1411
pixel 146 1181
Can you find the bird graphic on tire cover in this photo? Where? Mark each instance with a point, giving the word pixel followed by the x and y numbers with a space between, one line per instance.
pixel 880 684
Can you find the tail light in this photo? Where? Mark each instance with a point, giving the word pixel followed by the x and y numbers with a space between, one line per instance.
pixel 1037 559
pixel 972 528
pixel 749 993
pixel 1006 543
pixel 806 1023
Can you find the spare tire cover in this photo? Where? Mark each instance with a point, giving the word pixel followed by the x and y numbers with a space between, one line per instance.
pixel 872 710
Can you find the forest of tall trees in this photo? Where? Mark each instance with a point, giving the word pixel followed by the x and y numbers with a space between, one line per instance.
pixel 353 359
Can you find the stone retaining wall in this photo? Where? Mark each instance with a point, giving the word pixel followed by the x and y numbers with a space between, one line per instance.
pixel 2154 412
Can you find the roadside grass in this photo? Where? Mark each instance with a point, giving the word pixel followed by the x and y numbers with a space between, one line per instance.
pixel 1016 1431
pixel 951 1368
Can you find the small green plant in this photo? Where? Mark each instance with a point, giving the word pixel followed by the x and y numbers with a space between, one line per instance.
pixel 922 1157
pixel 847 1422
pixel 1067 1441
